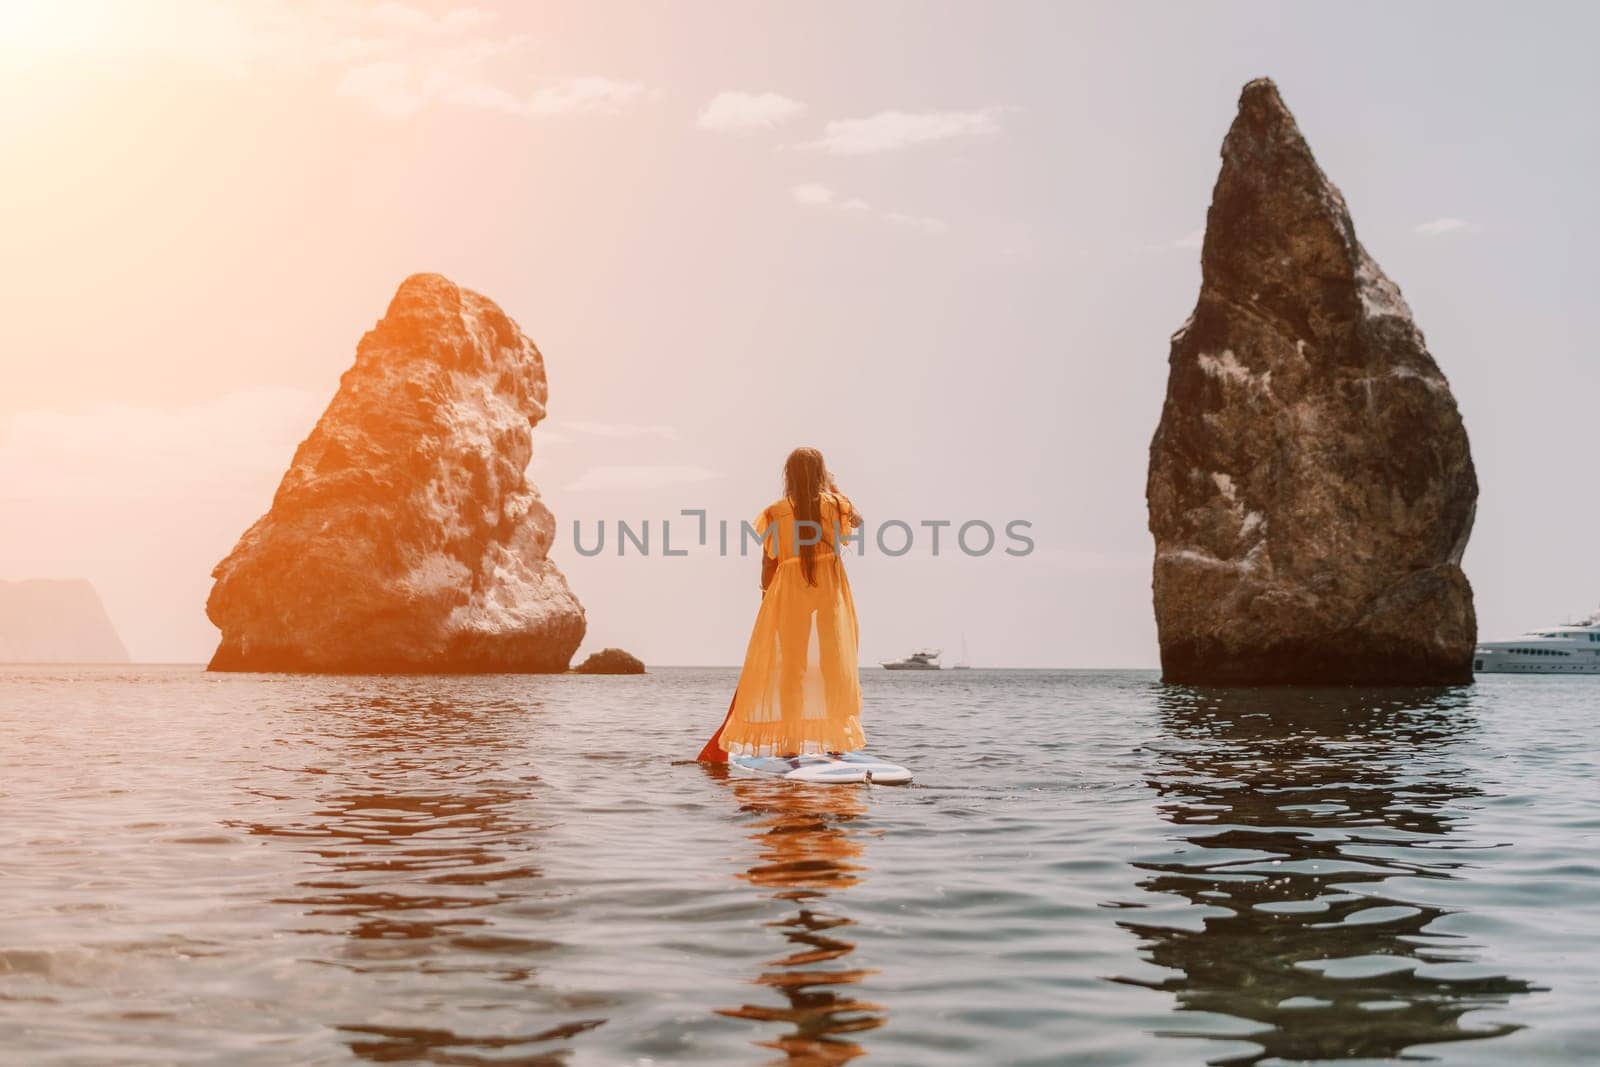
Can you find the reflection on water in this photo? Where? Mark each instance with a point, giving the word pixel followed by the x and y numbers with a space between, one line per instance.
pixel 260 870
pixel 807 849
pixel 1301 807
pixel 418 826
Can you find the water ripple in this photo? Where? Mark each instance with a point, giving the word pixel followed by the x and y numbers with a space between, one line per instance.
pixel 1091 868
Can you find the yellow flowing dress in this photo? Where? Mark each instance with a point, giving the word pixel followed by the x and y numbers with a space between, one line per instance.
pixel 800 690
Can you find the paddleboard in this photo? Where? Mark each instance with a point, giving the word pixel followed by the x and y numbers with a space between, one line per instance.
pixel 846 768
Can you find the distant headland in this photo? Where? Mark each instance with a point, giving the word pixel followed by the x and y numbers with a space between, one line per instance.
pixel 46 620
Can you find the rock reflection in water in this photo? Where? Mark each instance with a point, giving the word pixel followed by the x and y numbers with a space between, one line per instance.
pixel 1300 805
pixel 418 822
pixel 808 849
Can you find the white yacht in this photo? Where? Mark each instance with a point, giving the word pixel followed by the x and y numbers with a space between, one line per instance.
pixel 923 659
pixel 1570 649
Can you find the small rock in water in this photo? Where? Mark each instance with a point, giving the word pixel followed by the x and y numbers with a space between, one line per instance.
pixel 1311 490
pixel 611 661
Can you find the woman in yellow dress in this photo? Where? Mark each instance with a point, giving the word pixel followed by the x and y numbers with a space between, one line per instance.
pixel 800 691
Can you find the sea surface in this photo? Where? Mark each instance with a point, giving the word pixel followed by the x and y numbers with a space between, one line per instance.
pixel 1091 868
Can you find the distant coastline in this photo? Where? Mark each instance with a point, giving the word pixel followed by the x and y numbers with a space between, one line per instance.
pixel 51 620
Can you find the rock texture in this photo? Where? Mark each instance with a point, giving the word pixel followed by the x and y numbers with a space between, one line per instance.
pixel 56 621
pixel 1311 490
pixel 611 661
pixel 405 536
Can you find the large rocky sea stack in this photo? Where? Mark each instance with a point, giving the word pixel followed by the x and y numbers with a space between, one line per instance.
pixel 1311 490
pixel 405 536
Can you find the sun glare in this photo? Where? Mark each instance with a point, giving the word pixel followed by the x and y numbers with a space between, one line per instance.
pixel 45 29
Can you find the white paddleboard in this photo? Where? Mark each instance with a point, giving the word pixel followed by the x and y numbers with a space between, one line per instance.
pixel 846 768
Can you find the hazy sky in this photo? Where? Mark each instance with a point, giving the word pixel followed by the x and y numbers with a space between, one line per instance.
pixel 944 243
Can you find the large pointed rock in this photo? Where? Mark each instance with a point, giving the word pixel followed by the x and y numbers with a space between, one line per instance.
pixel 405 536
pixel 1311 490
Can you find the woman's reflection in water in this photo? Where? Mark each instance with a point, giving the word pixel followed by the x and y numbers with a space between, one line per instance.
pixel 1301 805
pixel 807 850
pixel 416 814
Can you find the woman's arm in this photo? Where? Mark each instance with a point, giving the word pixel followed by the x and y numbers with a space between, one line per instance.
pixel 851 517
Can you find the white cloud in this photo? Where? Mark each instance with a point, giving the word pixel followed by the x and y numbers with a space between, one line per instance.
pixel 559 433
pixel 622 429
pixel 1192 239
pixel 629 478
pixel 399 89
pixel 417 59
pixel 890 131
pixel 584 96
pixel 1443 227
pixel 384 87
pixel 415 20
pixel 395 58
pixel 918 222
pixel 813 195
pixel 241 442
pixel 226 40
pixel 743 113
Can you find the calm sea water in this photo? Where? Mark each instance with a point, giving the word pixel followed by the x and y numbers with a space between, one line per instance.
pixel 1091 868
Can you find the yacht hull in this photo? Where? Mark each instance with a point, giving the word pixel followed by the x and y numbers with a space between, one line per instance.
pixel 1481 665
pixel 1571 649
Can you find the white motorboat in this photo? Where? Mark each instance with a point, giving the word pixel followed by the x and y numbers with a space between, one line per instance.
pixel 923 659
pixel 1570 649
